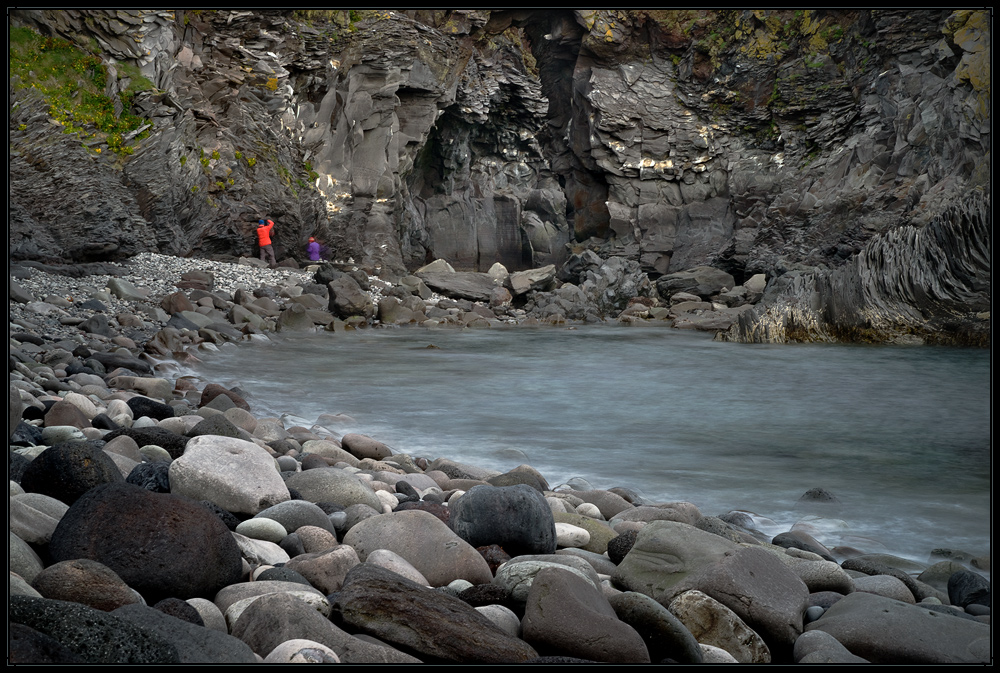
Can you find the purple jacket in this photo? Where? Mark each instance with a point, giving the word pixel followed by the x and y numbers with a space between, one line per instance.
pixel 313 250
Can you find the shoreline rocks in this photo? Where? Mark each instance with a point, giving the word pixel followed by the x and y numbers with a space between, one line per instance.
pixel 232 538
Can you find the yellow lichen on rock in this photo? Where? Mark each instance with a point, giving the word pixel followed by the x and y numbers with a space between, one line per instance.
pixel 971 32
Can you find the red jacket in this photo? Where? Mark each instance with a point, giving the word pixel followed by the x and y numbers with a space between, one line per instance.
pixel 264 233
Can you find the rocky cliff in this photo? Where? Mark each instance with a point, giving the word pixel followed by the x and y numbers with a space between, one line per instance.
pixel 824 149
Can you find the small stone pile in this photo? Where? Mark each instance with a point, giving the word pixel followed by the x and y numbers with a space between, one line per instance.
pixel 159 520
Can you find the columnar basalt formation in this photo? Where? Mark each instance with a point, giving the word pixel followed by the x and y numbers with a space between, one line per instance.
pixel 759 142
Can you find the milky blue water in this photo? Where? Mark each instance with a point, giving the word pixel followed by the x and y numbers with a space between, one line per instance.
pixel 900 435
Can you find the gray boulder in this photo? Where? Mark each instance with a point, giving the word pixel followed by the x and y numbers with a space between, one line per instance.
pixel 397 610
pixel 568 616
pixel 665 553
pixel 348 299
pixel 764 592
pixel 712 623
pixel 515 517
pixel 703 281
pixel 469 285
pixel 84 581
pixel 887 631
pixel 665 635
pixel 329 484
pixel 293 514
pixel 195 644
pixel 235 474
pixel 160 544
pixel 819 647
pixel 94 636
pixel 425 542
pixel 279 617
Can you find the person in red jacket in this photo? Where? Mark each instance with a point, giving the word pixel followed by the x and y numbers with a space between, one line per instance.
pixel 264 239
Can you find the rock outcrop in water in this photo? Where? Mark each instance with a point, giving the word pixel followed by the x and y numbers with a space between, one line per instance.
pixel 820 148
pixel 908 285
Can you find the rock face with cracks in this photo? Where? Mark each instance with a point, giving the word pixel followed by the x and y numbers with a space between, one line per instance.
pixel 824 143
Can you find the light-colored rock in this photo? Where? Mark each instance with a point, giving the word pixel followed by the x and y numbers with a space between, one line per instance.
pixel 316 539
pixel 155 388
pixel 568 535
pixel 210 614
pixel 325 570
pixel 505 618
pixel 260 528
pixel 234 593
pixel 259 552
pixel 885 585
pixel 33 517
pixel 425 542
pixel 301 651
pixel 712 623
pixel 518 574
pixel 666 552
pixel 84 404
pixel 329 484
pixel 316 601
pixel 390 560
pixel 235 474
pixel 717 655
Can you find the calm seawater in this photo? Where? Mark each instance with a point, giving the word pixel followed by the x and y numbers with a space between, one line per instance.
pixel 900 435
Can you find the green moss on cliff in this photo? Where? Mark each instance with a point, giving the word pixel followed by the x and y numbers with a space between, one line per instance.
pixel 73 83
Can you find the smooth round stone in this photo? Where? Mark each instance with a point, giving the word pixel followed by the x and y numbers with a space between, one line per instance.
pixel 22 559
pixel 589 509
pixel 300 651
pixel 57 434
pixel 884 585
pixel 392 561
pixel 716 655
pixel 152 453
pixel 311 598
pixel 210 614
pixel 19 587
pixel 119 408
pixel 288 464
pixel 241 418
pixel 559 505
pixel 145 422
pixel 84 581
pixel 122 420
pixel 568 535
pixel 503 617
pixel 180 425
pixel 813 613
pixel 262 529
pixel 82 403
pixel 316 539
pixel 389 501
pixel 458 586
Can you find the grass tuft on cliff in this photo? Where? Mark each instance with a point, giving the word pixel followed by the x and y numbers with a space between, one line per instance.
pixel 73 83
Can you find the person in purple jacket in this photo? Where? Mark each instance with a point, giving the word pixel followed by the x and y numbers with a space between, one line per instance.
pixel 313 250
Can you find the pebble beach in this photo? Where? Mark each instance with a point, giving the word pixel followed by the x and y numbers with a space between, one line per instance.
pixel 157 518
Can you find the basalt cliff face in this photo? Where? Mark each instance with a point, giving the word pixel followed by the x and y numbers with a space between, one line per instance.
pixel 843 154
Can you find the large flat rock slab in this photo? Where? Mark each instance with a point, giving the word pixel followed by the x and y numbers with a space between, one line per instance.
pixel 469 285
